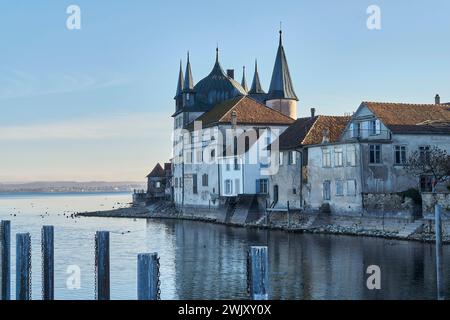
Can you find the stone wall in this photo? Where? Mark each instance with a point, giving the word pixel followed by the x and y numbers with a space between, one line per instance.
pixel 429 200
pixel 392 205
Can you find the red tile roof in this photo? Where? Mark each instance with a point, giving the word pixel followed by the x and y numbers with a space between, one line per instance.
pixel 309 131
pixel 412 118
pixel 248 111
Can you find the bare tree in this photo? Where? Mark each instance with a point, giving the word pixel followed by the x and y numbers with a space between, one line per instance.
pixel 430 161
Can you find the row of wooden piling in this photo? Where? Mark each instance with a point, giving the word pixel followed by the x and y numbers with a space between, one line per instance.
pixel 148 276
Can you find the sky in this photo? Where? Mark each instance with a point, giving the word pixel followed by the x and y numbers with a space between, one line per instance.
pixel 95 103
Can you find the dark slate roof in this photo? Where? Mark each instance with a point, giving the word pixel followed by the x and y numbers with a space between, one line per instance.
pixel 309 131
pixel 180 84
pixel 406 118
pixel 248 111
pixel 256 84
pixel 217 87
pixel 244 80
pixel 188 80
pixel 281 86
pixel 157 172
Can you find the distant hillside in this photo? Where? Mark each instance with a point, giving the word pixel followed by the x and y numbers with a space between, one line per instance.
pixel 71 186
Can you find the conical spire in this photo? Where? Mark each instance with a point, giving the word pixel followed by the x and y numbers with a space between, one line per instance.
pixel 180 84
pixel 188 80
pixel 281 84
pixel 256 84
pixel 244 80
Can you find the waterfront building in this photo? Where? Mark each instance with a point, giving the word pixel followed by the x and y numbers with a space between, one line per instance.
pixel 218 124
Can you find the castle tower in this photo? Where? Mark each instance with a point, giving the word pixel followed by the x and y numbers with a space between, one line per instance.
pixel 281 94
pixel 180 86
pixel 244 80
pixel 188 87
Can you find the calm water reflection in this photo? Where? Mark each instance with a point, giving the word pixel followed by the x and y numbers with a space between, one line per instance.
pixel 204 261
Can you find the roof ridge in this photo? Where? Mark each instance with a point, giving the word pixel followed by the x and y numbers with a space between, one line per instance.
pixel 403 103
pixel 310 129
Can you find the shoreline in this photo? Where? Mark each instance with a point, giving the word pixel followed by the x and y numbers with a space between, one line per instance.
pixel 326 229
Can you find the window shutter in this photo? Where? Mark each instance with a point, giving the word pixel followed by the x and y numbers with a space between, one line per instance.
pixel 257 186
pixel 352 130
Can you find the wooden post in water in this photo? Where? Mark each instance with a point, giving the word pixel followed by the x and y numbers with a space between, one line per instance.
pixel 23 266
pixel 102 284
pixel 48 277
pixel 288 215
pixel 148 276
pixel 5 260
pixel 259 273
pixel 439 264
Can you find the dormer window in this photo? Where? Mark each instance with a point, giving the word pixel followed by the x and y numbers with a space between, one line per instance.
pixel 375 127
pixel 188 96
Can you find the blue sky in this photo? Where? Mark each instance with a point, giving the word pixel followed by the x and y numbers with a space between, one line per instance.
pixel 95 103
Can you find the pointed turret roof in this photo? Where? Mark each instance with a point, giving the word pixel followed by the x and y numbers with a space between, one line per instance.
pixel 217 86
pixel 281 85
pixel 256 84
pixel 244 80
pixel 188 80
pixel 157 172
pixel 180 84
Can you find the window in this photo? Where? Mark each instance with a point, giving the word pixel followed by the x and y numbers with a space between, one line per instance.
pixel 294 191
pixel 237 166
pixel 158 184
pixel 194 184
pixel 326 190
pixel 339 157
pixel 205 180
pixel 351 187
pixel 426 183
pixel 355 129
pixel 292 158
pixel 281 155
pixel 351 156
pixel 375 127
pixel 228 167
pixel 339 188
pixel 326 158
pixel 400 155
pixel 424 154
pixel 213 154
pixel 176 182
pixel 262 186
pixel 228 186
pixel 375 153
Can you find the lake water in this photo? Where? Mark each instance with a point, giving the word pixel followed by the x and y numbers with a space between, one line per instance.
pixel 206 261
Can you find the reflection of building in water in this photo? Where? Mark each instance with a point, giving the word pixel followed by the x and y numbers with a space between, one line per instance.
pixel 211 260
pixel 160 238
pixel 210 263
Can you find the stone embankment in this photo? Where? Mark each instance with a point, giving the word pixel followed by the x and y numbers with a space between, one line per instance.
pixel 401 229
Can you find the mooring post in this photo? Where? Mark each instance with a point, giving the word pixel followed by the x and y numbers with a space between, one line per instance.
pixel 48 273
pixel 5 260
pixel 102 265
pixel 259 273
pixel 439 266
pixel 23 266
pixel 148 276
pixel 288 215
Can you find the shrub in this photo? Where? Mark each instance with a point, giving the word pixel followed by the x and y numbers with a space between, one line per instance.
pixel 413 194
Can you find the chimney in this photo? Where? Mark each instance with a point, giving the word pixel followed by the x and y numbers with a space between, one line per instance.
pixel 437 99
pixel 326 136
pixel 313 112
pixel 230 73
pixel 233 119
